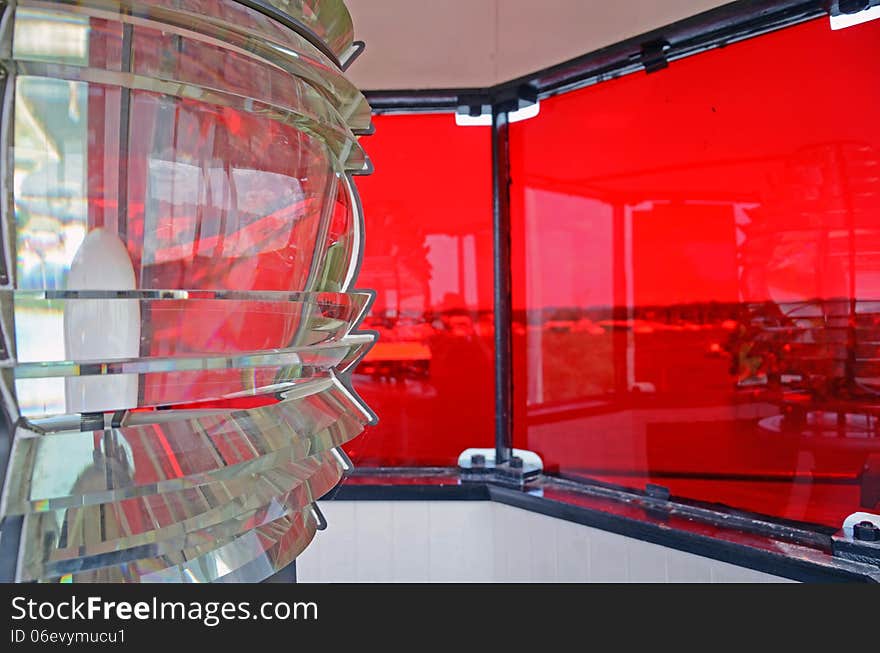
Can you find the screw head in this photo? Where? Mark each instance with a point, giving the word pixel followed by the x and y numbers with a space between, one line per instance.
pixel 478 460
pixel 516 462
pixel 852 6
pixel 866 531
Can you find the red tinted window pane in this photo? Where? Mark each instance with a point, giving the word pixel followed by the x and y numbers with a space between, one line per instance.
pixel 428 254
pixel 696 276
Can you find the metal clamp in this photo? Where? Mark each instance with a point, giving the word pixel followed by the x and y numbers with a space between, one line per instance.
pixel 653 56
pixel 480 466
pixel 320 520
pixel 351 55
pixel 858 539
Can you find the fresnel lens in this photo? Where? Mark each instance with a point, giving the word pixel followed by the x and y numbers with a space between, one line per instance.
pixel 181 239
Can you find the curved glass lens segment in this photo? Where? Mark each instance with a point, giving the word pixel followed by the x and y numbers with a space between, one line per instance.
pixel 178 314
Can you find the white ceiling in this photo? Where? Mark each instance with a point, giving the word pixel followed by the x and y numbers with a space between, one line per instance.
pixel 413 44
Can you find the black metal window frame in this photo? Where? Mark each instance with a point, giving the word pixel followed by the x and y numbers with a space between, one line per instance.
pixel 646 53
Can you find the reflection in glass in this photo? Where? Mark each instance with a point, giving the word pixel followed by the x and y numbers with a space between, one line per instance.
pixel 696 278
pixel 430 374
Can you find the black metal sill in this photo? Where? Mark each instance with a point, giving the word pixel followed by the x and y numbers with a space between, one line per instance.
pixel 777 548
pixel 408 484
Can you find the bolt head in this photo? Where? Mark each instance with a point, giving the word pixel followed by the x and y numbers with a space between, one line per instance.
pixel 852 6
pixel 865 531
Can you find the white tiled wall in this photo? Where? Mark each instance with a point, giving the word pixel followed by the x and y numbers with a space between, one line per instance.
pixel 484 541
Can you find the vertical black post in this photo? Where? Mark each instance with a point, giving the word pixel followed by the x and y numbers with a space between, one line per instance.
pixel 501 247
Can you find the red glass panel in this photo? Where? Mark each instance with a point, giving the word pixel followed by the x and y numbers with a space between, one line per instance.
pixel 697 276
pixel 428 254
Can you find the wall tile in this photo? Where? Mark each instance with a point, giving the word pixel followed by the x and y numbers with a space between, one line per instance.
pixel 684 567
pixel 726 573
pixel 481 541
pixel 572 552
pixel 410 543
pixel 647 562
pixel 373 538
pixel 608 558
pixel 541 532
pixel 460 541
